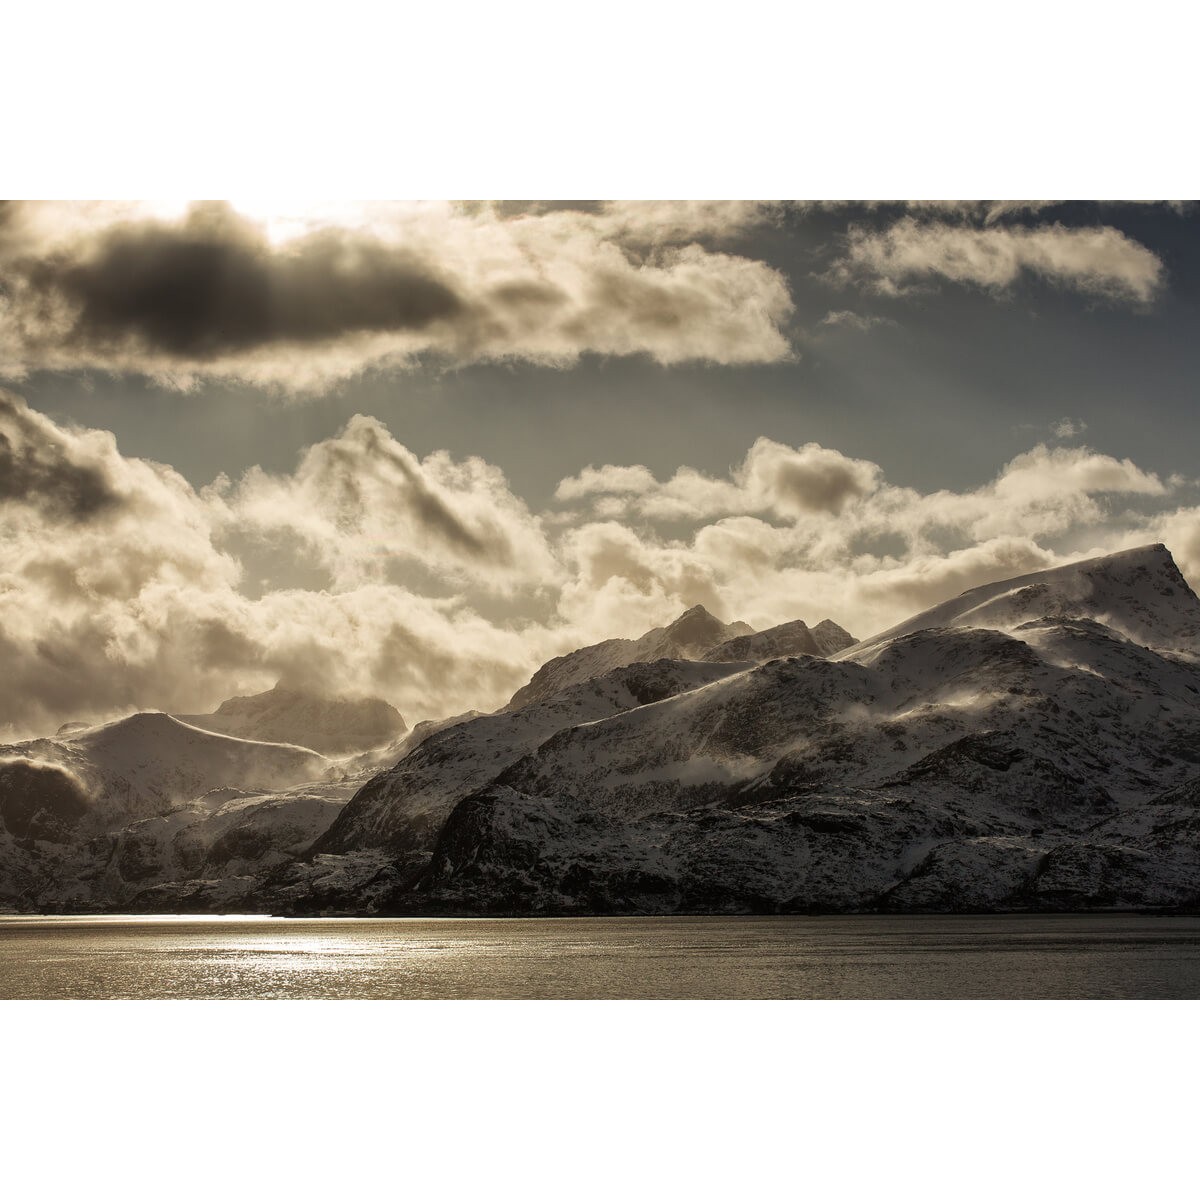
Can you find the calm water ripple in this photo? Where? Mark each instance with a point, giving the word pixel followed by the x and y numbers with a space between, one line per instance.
pixel 858 957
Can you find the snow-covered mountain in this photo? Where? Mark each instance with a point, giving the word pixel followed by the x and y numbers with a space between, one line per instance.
pixel 1032 744
pixel 689 636
pixel 1138 593
pixel 65 801
pixel 141 763
pixel 212 853
pixel 696 634
pixel 404 808
pixel 331 725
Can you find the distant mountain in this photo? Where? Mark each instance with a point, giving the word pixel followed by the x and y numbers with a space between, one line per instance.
pixel 697 634
pixel 143 762
pixel 780 641
pixel 831 638
pixel 331 725
pixel 76 810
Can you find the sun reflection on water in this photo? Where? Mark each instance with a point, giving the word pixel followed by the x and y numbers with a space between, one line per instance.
pixel 688 957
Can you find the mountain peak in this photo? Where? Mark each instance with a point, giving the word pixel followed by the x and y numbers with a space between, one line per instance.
pixel 1139 592
pixel 696 630
pixel 830 637
pixel 688 637
pixel 791 638
pixel 697 618
pixel 334 725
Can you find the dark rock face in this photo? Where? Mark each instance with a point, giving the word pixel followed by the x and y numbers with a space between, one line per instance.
pixel 781 641
pixel 996 766
pixel 40 801
pixel 831 638
pixel 793 638
pixel 137 857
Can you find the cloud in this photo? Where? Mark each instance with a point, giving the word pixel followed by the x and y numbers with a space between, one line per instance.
pixel 37 461
pixel 659 221
pixel 212 287
pixel 786 481
pixel 844 319
pixel 298 303
pixel 606 480
pixel 140 602
pixel 926 579
pixel 1097 260
pixel 301 300
pixel 435 586
pixel 986 211
pixel 40 800
pixel 832 499
pixel 810 479
pixel 1068 427
pixel 1179 531
pixel 361 502
pixel 127 521
pixel 809 532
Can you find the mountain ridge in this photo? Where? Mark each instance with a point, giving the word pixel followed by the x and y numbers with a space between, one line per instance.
pixel 940 766
pixel 330 725
pixel 694 635
pixel 1030 745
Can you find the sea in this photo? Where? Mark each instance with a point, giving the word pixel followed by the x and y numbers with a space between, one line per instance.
pixel 1069 957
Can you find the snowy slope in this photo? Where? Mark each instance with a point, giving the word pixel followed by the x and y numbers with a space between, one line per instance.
pixel 403 809
pixel 1139 593
pixel 150 761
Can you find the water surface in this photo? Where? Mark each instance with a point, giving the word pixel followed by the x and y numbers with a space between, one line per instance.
pixel 855 957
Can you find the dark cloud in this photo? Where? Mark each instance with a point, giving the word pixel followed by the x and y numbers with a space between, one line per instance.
pixel 214 286
pixel 433 513
pixel 821 486
pixel 37 468
pixel 304 302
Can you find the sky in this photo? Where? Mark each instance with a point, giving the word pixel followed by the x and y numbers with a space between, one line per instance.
pixel 414 449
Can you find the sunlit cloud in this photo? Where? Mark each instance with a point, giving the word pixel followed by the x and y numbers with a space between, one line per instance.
pixel 1097 261
pixel 301 298
pixel 123 587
